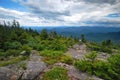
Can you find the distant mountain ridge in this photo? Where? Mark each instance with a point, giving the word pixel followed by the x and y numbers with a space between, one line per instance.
pixel 97 34
pixel 83 29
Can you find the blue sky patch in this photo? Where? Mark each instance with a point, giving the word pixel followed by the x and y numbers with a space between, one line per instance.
pixel 114 15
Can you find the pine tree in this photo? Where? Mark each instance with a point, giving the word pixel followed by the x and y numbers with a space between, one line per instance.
pixel 83 38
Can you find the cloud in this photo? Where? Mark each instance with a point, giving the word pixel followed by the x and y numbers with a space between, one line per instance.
pixel 67 12
pixel 25 18
pixel 101 1
pixel 22 17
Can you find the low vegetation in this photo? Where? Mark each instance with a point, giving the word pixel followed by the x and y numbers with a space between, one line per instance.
pixel 68 59
pixel 108 70
pixel 14 40
pixel 99 47
pixel 50 56
pixel 12 61
pixel 57 73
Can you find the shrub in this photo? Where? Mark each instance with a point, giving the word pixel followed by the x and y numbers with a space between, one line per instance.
pixel 92 56
pixel 50 61
pixel 84 65
pixel 104 69
pixel 40 47
pixel 106 49
pixel 51 57
pixel 68 59
pixel 51 53
pixel 23 65
pixel 11 52
pixel 27 49
pixel 57 46
pixel 114 61
pixel 13 45
pixel 56 73
pixel 12 61
pixel 96 47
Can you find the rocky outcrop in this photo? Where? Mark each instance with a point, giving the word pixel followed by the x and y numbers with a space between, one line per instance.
pixel 78 51
pixel 75 74
pixel 103 56
pixel 34 67
pixel 7 74
pixel 72 72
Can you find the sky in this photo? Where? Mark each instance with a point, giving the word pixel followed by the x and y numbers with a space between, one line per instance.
pixel 61 12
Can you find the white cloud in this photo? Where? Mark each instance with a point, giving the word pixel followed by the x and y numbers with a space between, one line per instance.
pixel 25 18
pixel 64 12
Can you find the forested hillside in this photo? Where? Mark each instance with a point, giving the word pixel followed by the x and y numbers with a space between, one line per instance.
pixel 55 57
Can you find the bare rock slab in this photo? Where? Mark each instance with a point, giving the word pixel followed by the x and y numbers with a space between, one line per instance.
pixel 7 74
pixel 34 67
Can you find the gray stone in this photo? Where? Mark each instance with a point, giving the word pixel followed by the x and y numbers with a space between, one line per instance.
pixel 34 67
pixel 75 74
pixel 78 51
pixel 7 74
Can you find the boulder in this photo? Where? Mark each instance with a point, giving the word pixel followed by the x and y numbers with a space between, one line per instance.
pixel 34 67
pixel 7 74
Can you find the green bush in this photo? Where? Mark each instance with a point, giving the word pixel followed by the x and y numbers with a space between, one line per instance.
pixel 94 47
pixel 51 53
pixel 114 61
pixel 40 47
pixel 106 49
pixel 50 61
pixel 104 69
pixel 98 47
pixel 92 56
pixel 27 49
pixel 12 61
pixel 51 57
pixel 101 69
pixel 13 45
pixel 68 59
pixel 56 73
pixel 11 52
pixel 84 66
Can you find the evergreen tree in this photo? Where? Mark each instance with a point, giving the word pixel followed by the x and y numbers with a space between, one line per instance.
pixel 44 34
pixel 83 38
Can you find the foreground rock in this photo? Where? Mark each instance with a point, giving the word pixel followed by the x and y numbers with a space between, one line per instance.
pixel 78 51
pixel 7 74
pixel 34 67
pixel 75 74
pixel 72 72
